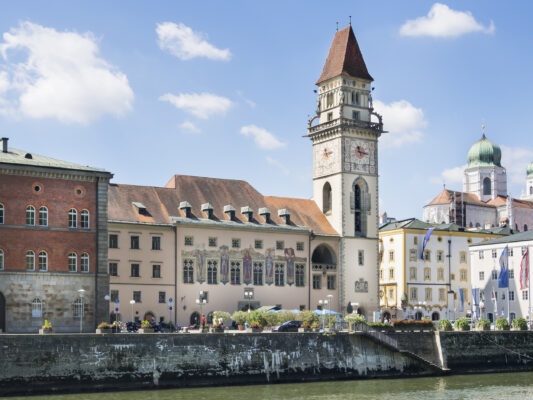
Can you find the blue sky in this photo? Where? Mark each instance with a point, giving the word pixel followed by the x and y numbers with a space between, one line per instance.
pixel 225 88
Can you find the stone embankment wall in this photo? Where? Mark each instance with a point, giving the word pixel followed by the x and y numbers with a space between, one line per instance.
pixel 74 363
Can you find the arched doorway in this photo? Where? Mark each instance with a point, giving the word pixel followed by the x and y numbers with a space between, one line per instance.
pixel 2 313
pixel 435 316
pixel 195 318
pixel 386 316
pixel 418 315
pixel 148 315
pixel 247 307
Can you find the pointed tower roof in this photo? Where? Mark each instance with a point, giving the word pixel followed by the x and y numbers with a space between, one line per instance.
pixel 344 57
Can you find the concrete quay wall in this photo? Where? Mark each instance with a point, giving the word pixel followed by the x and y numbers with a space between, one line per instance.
pixel 31 364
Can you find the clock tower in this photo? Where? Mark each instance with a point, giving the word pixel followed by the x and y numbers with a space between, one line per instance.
pixel 345 168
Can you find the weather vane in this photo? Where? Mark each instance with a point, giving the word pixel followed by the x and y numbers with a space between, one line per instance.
pixel 483 128
pixel 350 20
pixel 337 26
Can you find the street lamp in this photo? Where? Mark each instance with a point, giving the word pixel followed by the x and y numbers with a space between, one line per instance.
pixel 323 304
pixel 330 302
pixel 132 302
pixel 201 300
pixel 81 292
pixel 106 298
pixel 355 307
pixel 248 295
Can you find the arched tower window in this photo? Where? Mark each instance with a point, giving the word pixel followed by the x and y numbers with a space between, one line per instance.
pixel 531 190
pixel 525 228
pixel 326 198
pixel 486 187
pixel 360 206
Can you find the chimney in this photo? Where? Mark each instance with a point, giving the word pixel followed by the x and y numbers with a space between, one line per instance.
pixel 265 213
pixel 185 206
pixel 285 215
pixel 229 210
pixel 248 213
pixel 4 144
pixel 207 208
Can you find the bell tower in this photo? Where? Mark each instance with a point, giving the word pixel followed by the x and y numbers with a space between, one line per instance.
pixel 345 167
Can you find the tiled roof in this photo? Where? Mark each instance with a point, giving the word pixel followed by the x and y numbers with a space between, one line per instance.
pixel 446 197
pixel 413 223
pixel 523 203
pixel 344 57
pixel 162 204
pixel 517 237
pixel 19 157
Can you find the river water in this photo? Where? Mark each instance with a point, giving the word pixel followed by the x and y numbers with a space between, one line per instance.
pixel 471 387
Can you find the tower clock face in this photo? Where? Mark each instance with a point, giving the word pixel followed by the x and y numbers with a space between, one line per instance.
pixel 359 156
pixel 326 159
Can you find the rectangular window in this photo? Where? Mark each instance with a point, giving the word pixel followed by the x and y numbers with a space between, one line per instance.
pixel 391 273
pixel 412 273
pixel 258 272
pixel 503 295
pixel 156 243
pixel 428 294
pixel 391 293
pixel 137 296
pixel 511 295
pixel 381 274
pixel 236 243
pixel 462 257
pixel 188 241
pixel 427 255
pixel 258 244
pixel 332 279
pixel 330 116
pixel 480 254
pixel 114 295
pixel 442 294
pixel 188 270
pixel 299 278
pixel 113 269
pixel 440 256
pixel 462 275
pixel 355 115
pixel 494 275
pixel 113 241
pixel 391 255
pixel 212 272
pixel 156 271
pixel 235 272
pixel 135 270
pixel 280 244
pixel 452 277
pixel 525 295
pixel 279 274
pixel 1 213
pixel 511 252
pixel 212 242
pixel 361 257
pixel 511 274
pixel 134 242
pixel 481 275
pixel 494 253
pixel 415 240
pixel 440 274
pixel 162 297
pixel 413 294
pixel 412 255
pixel 427 274
pixel 317 281
pixel 300 246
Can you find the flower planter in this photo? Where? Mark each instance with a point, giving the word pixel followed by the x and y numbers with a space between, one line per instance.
pixel 305 329
pixel 217 329
pixel 104 331
pixel 241 327
pixel 45 331
pixel 254 330
pixel 146 330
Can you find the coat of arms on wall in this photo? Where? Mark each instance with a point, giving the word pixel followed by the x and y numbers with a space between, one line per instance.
pixel 361 286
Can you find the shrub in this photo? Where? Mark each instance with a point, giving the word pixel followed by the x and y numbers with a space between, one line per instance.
pixel 381 326
pixel 483 324
pixel 255 317
pixel 220 314
pixel 285 316
pixel 146 324
pixel 354 318
pixel 444 325
pixel 502 324
pixel 462 324
pixel 309 317
pixel 412 324
pixel 520 324
pixel 239 317
pixel 271 319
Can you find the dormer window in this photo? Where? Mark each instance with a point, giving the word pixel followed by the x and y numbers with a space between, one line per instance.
pixel 141 209
pixel 248 213
pixel 229 210
pixel 285 216
pixel 265 213
pixel 185 207
pixel 207 208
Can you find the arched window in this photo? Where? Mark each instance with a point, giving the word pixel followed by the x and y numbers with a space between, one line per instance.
pixel 235 273
pixel 299 275
pixel 1 259
pixel 258 273
pixel 525 228
pixel 84 219
pixel 188 271
pixel 478 225
pixel 30 260
pixel 43 261
pixel 84 265
pixel 2 211
pixel 435 316
pixel 43 216
pixel 326 198
pixel 72 262
pixel 72 218
pixel 531 190
pixel 486 186
pixel 30 215
pixel 360 206
pixel 329 100
pixel 212 272
pixel 36 308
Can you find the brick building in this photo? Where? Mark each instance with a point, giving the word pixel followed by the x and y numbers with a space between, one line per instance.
pixel 53 243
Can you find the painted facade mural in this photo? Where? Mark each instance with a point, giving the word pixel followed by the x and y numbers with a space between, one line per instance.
pixel 247 266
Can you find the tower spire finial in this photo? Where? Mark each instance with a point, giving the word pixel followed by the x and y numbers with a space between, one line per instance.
pixel 483 129
pixel 337 26
pixel 350 20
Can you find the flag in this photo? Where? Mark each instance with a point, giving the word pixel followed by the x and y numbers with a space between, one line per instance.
pixel 426 239
pixel 524 270
pixel 475 297
pixel 462 297
pixel 503 278
pixel 495 300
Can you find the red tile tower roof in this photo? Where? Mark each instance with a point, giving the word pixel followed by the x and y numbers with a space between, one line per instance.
pixel 344 57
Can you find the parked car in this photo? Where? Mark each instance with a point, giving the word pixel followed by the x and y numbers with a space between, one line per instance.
pixel 289 326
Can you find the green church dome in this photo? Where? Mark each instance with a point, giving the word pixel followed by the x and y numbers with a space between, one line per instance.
pixel 530 169
pixel 484 153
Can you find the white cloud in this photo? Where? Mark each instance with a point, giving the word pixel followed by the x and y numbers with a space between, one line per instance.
pixel 262 138
pixel 515 161
pixel 201 105
pixel 182 42
pixel 278 165
pixel 189 127
pixel 60 76
pixel 403 121
pixel 442 21
pixel 450 176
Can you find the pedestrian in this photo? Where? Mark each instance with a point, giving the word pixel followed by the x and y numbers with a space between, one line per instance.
pixel 203 321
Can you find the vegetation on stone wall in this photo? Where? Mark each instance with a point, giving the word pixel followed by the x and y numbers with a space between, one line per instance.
pixel 520 324
pixel 462 324
pixel 444 325
pixel 483 324
pixel 502 324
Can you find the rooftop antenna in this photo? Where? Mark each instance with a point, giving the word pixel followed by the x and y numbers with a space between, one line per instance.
pixel 350 20
pixel 337 26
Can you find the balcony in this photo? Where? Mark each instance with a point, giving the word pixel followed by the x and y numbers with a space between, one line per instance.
pixel 345 122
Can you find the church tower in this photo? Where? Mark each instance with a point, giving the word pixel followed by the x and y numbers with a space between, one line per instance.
pixel 345 168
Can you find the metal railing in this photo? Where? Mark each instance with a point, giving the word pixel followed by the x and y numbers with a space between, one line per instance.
pixel 345 122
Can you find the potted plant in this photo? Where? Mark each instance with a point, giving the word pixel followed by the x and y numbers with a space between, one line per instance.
pixel 501 324
pixel 305 327
pixel 240 318
pixel 146 327
pixel 519 324
pixel 46 328
pixel 104 328
pixel 462 324
pixel 115 327
pixel 483 325
pixel 444 325
pixel 271 319
pixel 255 327
pixel 355 321
pixel 315 327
